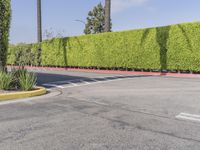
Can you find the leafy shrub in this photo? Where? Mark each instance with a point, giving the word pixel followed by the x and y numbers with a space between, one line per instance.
pixel 23 54
pixel 5 80
pixel 27 80
pixel 175 47
pixel 19 79
pixel 5 15
pixel 16 74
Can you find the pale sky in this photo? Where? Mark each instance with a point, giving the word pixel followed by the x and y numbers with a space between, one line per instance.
pixel 60 15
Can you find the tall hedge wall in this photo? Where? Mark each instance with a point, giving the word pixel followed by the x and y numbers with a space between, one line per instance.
pixel 5 13
pixel 175 47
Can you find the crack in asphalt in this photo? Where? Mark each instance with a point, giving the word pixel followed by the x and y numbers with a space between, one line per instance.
pixel 123 124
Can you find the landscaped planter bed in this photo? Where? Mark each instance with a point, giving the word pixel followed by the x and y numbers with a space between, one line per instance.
pixel 19 83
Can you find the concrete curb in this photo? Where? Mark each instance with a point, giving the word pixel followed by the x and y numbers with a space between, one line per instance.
pixel 190 75
pixel 18 95
pixel 49 94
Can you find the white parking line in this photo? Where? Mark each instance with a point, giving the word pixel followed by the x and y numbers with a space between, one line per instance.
pixel 70 83
pixel 73 84
pixel 84 82
pixel 191 117
pixel 54 85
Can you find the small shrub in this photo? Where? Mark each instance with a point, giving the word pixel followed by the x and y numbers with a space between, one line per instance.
pixel 16 73
pixel 5 80
pixel 27 80
pixel 19 79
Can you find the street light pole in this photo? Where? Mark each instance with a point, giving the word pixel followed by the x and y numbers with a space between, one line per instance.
pixel 39 21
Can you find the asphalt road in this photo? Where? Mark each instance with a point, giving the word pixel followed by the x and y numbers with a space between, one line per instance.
pixel 105 112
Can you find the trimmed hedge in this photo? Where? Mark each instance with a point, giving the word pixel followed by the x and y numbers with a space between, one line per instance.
pixel 23 54
pixel 175 47
pixel 5 15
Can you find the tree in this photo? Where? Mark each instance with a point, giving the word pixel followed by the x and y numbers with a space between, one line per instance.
pixel 107 15
pixel 95 20
pixel 5 16
pixel 39 21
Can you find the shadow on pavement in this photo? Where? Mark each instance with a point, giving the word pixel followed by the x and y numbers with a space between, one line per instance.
pixel 43 78
pixel 47 78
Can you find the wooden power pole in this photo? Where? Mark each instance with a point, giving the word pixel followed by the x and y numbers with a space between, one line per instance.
pixel 39 21
pixel 107 15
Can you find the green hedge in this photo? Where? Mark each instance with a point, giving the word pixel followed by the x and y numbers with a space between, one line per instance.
pixel 175 47
pixel 5 14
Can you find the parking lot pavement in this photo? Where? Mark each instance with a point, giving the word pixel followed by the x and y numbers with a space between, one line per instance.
pixel 112 112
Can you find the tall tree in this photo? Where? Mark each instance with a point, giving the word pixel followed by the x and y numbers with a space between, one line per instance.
pixel 39 21
pixel 95 20
pixel 5 15
pixel 107 15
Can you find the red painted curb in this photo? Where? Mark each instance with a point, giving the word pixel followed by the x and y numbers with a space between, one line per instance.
pixel 113 71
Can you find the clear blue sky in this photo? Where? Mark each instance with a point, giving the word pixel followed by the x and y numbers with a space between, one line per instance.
pixel 126 14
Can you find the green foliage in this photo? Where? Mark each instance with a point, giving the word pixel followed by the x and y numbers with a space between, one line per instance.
pixel 27 80
pixel 19 79
pixel 95 20
pixel 16 73
pixel 175 47
pixel 6 80
pixel 5 15
pixel 54 51
pixel 23 54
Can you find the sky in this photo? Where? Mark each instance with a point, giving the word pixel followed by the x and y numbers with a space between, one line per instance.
pixel 58 16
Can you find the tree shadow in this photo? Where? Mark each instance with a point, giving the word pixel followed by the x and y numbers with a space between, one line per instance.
pixel 64 45
pixel 144 36
pixel 162 36
pixel 47 79
pixel 186 36
pixel 79 43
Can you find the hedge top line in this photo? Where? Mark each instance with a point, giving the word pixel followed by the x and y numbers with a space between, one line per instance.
pixel 115 32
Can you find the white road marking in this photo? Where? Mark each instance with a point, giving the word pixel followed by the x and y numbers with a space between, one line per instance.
pixel 84 82
pixel 99 103
pixel 95 80
pixel 54 85
pixel 191 117
pixel 70 83
pixel 74 84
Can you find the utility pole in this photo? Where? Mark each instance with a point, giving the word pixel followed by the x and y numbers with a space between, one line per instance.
pixel 39 21
pixel 107 15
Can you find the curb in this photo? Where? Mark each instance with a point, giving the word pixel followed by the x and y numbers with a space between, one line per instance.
pixel 18 95
pixel 190 75
pixel 50 93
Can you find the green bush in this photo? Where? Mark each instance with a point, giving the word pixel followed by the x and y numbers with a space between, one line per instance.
pixel 23 54
pixel 27 80
pixel 19 79
pixel 16 73
pixel 5 80
pixel 175 47
pixel 4 31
